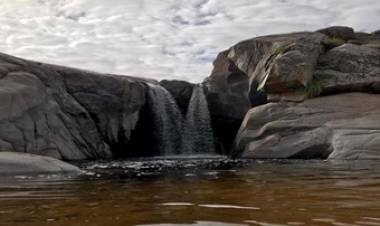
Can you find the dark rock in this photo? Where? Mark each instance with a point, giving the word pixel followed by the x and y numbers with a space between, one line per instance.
pixel 66 113
pixel 339 32
pixel 344 126
pixel 180 90
pixel 12 163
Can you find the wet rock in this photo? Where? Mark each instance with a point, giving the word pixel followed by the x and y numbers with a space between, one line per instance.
pixel 12 163
pixel 180 90
pixel 344 126
pixel 66 113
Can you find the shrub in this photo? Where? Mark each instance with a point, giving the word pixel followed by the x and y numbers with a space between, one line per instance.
pixel 314 88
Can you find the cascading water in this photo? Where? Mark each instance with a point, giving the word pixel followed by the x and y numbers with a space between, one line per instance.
pixel 168 121
pixel 175 134
pixel 198 132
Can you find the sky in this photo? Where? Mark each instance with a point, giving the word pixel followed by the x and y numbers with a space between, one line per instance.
pixel 161 39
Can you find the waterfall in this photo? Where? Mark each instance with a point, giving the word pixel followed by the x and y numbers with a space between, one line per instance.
pixel 175 134
pixel 199 136
pixel 168 121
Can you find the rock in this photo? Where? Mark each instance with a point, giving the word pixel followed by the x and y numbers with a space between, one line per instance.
pixel 377 32
pixel 12 163
pixel 339 32
pixel 362 38
pixel 66 113
pixel 180 90
pixel 277 65
pixel 349 68
pixel 344 126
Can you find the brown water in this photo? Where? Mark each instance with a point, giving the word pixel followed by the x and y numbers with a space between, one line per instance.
pixel 192 192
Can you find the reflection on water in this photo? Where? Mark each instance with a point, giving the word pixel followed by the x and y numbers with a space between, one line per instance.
pixel 197 192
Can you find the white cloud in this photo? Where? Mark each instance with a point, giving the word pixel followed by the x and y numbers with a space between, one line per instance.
pixel 175 39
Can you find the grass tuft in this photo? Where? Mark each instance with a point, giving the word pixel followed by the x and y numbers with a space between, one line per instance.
pixel 283 49
pixel 330 43
pixel 314 89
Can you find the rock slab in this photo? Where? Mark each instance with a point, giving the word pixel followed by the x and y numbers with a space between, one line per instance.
pixel 343 126
pixel 12 163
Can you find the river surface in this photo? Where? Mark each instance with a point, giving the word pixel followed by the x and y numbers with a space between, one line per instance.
pixel 197 192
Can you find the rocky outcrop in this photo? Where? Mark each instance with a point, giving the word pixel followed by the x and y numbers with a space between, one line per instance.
pixel 278 64
pixel 290 67
pixel 12 163
pixel 66 113
pixel 74 114
pixel 344 126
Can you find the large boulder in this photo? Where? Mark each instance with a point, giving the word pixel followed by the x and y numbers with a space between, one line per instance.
pixel 252 70
pixel 344 126
pixel 279 64
pixel 13 163
pixel 66 113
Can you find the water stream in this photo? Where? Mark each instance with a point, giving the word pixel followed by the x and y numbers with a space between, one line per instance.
pixel 178 135
pixel 198 129
pixel 168 121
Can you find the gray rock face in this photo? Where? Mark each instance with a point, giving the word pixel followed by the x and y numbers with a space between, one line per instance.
pixel 65 113
pixel 349 68
pixel 344 126
pixel 12 163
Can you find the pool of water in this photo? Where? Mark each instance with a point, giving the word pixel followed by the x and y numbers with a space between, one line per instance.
pixel 212 191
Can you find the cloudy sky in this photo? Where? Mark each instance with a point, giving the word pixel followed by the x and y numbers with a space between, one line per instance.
pixel 176 39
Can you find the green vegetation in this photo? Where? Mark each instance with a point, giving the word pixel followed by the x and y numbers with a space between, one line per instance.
pixel 283 49
pixel 314 88
pixel 330 43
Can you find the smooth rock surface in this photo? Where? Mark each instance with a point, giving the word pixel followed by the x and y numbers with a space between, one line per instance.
pixel 12 163
pixel 344 126
pixel 66 113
